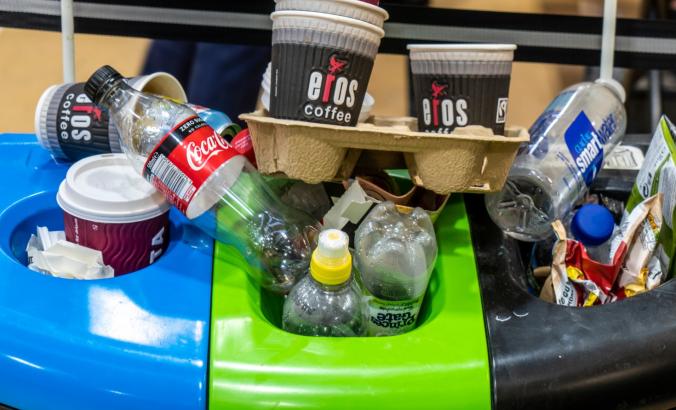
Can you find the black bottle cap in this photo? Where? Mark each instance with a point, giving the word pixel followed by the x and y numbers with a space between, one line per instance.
pixel 100 82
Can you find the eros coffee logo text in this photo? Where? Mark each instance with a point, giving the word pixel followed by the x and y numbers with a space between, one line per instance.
pixel 441 113
pixel 329 93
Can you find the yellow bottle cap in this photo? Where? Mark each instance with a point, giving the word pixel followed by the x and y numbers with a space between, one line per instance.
pixel 331 262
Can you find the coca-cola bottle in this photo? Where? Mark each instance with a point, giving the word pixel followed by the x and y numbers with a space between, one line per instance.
pixel 208 180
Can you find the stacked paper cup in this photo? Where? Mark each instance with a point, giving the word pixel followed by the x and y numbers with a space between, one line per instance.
pixel 322 57
pixel 456 85
pixel 364 114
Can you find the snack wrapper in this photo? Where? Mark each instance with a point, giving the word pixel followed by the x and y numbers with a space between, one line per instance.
pixel 578 280
pixel 658 175
pixel 642 270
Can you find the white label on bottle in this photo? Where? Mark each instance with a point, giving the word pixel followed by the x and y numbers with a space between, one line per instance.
pixel 387 318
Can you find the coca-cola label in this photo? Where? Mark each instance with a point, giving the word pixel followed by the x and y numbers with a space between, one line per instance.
pixel 243 144
pixel 82 127
pixel 184 159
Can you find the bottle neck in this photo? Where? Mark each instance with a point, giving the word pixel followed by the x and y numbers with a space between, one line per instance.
pixel 328 288
pixel 116 95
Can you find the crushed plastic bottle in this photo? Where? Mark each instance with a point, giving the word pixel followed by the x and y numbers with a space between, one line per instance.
pixel 569 142
pixel 326 302
pixel 208 180
pixel 395 255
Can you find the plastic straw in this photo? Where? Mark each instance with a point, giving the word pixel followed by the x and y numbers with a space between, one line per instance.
pixel 67 46
pixel 608 39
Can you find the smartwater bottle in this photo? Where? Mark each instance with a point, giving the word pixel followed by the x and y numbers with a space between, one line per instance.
pixel 569 142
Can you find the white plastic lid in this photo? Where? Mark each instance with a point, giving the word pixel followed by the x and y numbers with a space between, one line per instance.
pixel 615 87
pixel 333 244
pixel 106 188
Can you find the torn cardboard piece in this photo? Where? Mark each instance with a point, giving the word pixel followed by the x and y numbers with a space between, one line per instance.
pixel 351 207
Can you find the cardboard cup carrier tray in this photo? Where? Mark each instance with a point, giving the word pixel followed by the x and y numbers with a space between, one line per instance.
pixel 471 159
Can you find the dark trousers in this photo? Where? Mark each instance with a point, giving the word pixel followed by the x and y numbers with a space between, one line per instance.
pixel 224 77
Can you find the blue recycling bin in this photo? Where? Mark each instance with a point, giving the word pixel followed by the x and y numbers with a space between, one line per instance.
pixel 139 341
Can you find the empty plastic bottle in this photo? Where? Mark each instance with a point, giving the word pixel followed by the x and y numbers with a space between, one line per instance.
pixel 569 142
pixel 207 179
pixel 326 302
pixel 395 255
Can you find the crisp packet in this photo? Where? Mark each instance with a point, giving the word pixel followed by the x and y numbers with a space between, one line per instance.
pixel 641 270
pixel 578 280
pixel 658 175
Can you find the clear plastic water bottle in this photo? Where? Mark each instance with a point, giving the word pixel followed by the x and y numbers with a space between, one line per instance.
pixel 569 142
pixel 326 302
pixel 395 255
pixel 208 180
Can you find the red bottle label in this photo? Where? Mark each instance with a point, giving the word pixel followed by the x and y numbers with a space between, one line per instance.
pixel 184 159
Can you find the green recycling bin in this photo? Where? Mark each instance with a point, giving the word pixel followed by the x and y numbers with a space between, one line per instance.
pixel 443 363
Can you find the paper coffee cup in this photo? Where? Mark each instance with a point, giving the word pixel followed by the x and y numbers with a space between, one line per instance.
pixel 321 66
pixel 356 9
pixel 71 127
pixel 109 207
pixel 456 85
pixel 364 114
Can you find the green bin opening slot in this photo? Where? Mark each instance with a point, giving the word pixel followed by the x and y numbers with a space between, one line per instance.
pixel 443 363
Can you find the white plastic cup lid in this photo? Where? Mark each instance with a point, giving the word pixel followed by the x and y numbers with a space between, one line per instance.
pixel 106 188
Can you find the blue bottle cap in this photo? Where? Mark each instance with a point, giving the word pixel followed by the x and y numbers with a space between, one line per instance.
pixel 592 225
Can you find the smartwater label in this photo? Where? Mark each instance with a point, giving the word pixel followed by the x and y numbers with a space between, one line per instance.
pixel 585 144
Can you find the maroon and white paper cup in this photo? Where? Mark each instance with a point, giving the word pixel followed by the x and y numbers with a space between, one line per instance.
pixel 321 66
pixel 109 207
pixel 455 85
pixel 72 127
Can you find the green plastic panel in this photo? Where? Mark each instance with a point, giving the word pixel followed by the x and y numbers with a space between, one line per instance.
pixel 441 364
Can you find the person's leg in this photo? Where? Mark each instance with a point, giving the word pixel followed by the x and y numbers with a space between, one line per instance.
pixel 227 77
pixel 173 57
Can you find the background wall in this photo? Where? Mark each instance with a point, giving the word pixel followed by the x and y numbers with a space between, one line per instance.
pixel 30 61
